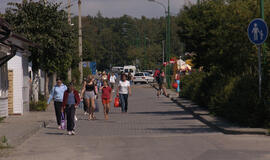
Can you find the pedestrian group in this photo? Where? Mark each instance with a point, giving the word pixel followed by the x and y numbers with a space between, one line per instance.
pixel 67 99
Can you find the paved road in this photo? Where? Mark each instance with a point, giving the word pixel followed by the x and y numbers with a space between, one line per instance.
pixel 154 129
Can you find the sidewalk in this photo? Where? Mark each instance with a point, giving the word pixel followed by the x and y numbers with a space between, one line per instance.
pixel 215 122
pixel 19 128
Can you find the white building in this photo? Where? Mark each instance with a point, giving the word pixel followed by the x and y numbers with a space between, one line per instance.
pixel 19 83
pixel 14 79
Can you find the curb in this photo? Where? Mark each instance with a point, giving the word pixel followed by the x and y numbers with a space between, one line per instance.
pixel 214 122
pixel 18 141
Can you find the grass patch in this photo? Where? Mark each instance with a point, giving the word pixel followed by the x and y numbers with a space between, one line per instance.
pixel 38 106
pixel 4 143
pixel 1 119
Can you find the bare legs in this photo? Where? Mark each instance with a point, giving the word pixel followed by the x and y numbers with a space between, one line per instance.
pixel 164 90
pixel 91 107
pixel 106 110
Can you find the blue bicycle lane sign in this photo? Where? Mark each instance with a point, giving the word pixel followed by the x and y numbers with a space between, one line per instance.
pixel 257 31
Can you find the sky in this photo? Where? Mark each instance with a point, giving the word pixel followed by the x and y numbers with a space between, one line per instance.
pixel 117 8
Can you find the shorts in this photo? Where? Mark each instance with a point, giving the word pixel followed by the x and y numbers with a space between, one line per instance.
pixel 89 94
pixel 160 85
pixel 105 100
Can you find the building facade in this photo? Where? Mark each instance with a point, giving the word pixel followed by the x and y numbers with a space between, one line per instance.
pixel 14 79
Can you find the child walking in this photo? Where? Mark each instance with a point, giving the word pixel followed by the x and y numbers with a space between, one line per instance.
pixel 106 98
pixel 71 101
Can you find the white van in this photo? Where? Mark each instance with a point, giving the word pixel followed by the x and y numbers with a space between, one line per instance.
pixel 131 69
pixel 117 69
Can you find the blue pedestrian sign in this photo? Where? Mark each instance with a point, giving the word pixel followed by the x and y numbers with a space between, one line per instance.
pixel 93 66
pixel 257 31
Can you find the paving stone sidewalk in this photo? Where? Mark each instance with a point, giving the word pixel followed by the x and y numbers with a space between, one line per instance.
pixel 19 128
pixel 215 122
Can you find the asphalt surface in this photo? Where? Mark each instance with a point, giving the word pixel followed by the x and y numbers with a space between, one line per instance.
pixel 153 129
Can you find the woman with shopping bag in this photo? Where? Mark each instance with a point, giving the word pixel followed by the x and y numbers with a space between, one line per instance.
pixel 123 91
pixel 71 101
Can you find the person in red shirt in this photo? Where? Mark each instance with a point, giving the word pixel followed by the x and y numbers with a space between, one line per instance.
pixel 156 73
pixel 106 98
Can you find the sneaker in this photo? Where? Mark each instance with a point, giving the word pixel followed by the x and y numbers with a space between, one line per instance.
pixel 59 127
pixel 69 133
pixel 73 132
pixel 75 117
pixel 85 113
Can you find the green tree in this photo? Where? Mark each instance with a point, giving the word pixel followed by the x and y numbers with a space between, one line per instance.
pixel 47 26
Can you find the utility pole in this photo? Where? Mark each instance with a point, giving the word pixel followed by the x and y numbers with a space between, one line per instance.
pixel 168 45
pixel 69 22
pixel 163 51
pixel 80 40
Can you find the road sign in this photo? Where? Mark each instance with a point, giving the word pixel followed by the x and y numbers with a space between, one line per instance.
pixel 257 34
pixel 93 66
pixel 84 64
pixel 257 31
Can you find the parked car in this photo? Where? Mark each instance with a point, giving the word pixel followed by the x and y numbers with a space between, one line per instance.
pixel 149 77
pixel 140 77
pixel 151 72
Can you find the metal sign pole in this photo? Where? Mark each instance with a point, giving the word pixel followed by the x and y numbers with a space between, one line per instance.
pixel 260 70
pixel 257 34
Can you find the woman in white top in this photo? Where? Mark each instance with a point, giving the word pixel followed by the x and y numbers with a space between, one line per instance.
pixel 123 91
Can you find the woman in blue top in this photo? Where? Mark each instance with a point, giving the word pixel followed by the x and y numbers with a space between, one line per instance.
pixel 57 95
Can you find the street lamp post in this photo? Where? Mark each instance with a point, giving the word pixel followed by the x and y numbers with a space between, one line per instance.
pixel 262 8
pixel 168 37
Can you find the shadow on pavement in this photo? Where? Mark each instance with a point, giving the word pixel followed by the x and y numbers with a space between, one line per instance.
pixel 183 118
pixel 163 113
pixel 54 133
pixel 55 128
pixel 186 130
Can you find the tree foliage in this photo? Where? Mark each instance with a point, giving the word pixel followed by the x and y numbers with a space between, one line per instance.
pixel 217 32
pixel 47 26
pixel 126 40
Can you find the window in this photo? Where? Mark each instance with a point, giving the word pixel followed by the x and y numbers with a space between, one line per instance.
pixel 139 74
pixel 126 70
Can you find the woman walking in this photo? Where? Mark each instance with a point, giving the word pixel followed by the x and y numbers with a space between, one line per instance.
pixel 71 101
pixel 177 80
pixel 106 98
pixel 57 94
pixel 123 91
pixel 161 77
pixel 88 93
